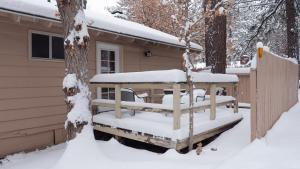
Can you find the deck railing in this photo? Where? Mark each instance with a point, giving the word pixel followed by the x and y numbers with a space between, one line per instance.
pixel 177 109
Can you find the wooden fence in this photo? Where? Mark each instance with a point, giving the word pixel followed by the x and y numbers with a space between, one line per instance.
pixel 274 89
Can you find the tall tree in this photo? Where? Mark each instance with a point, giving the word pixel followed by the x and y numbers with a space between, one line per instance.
pixel 186 18
pixel 292 29
pixel 215 35
pixel 75 84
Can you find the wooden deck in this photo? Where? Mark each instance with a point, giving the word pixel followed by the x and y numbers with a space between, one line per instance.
pixel 133 129
pixel 176 110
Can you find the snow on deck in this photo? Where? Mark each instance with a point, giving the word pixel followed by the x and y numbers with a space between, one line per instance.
pixel 162 76
pixel 104 22
pixel 161 125
pixel 233 70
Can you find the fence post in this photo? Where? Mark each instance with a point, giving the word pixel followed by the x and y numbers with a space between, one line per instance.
pixel 236 102
pixel 118 112
pixel 176 106
pixel 253 99
pixel 213 102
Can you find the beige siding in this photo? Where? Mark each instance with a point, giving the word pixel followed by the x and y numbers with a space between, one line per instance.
pixel 274 89
pixel 243 88
pixel 32 109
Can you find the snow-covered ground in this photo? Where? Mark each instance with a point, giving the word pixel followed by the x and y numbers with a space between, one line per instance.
pixel 120 156
pixel 280 149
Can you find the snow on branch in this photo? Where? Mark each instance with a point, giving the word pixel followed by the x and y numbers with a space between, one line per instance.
pixel 70 81
pixel 79 33
pixel 264 20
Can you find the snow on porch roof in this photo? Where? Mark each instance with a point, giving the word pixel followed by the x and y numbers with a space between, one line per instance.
pixel 102 22
pixel 162 76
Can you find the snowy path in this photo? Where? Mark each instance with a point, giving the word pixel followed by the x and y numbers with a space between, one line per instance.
pixel 279 149
pixel 227 145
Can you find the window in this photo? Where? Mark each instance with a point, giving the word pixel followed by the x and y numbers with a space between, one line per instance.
pixel 107 62
pixel 47 46
pixel 108 65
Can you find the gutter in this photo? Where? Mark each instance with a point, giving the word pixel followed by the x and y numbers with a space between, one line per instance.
pixel 92 28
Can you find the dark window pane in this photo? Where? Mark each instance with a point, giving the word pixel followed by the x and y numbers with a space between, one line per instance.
pixel 104 90
pixel 104 55
pixel 104 96
pixel 58 48
pixel 40 46
pixel 112 55
pixel 111 96
pixel 112 66
pixel 104 64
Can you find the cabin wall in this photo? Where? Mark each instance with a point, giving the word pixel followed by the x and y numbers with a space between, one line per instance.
pixel 32 108
pixel 243 88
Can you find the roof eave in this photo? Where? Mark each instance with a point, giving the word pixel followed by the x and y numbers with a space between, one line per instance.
pixel 93 28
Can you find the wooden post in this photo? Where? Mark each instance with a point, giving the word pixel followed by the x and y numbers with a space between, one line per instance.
pixel 176 106
pixel 151 95
pixel 213 102
pixel 118 112
pixel 235 94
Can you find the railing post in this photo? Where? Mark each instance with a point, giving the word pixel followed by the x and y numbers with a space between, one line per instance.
pixel 176 106
pixel 235 94
pixel 118 112
pixel 213 102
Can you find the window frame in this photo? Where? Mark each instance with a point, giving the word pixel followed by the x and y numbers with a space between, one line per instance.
pixel 50 35
pixel 109 47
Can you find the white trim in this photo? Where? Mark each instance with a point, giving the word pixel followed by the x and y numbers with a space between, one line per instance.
pixel 111 47
pixel 107 46
pixel 30 32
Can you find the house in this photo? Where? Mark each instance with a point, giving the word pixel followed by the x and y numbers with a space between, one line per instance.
pixel 32 109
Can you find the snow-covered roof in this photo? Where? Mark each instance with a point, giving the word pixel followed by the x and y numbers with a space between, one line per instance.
pixel 102 22
pixel 162 76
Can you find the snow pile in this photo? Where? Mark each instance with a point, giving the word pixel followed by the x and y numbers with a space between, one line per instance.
pixel 279 149
pixel 83 153
pixel 162 76
pixel 259 45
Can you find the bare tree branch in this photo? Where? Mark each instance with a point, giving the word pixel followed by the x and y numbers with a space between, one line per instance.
pixel 261 26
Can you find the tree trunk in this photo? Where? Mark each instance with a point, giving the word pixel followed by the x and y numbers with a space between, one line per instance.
pixel 215 37
pixel 76 52
pixel 292 30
